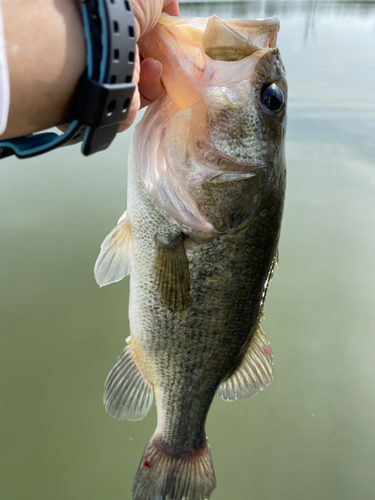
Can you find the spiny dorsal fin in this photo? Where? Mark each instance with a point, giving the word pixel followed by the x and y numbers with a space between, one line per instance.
pixel 275 263
pixel 254 373
pixel 171 273
pixel 223 43
pixel 128 394
pixel 114 261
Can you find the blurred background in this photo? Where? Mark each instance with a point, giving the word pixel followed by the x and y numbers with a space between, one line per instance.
pixel 311 434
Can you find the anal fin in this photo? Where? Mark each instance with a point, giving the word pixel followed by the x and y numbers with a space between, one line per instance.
pixel 254 373
pixel 128 394
pixel 171 273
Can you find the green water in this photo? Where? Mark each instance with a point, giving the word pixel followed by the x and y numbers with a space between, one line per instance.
pixel 311 434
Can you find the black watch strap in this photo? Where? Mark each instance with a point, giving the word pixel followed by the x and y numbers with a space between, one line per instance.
pixel 103 96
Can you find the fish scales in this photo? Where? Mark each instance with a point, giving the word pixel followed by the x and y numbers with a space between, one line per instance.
pixel 206 188
pixel 180 347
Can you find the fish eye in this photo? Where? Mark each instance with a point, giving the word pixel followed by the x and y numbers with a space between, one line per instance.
pixel 272 97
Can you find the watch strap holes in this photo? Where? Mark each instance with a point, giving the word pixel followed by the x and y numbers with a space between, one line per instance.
pixel 131 31
pixel 116 55
pixel 131 57
pixel 111 107
pixel 128 79
pixel 113 79
pixel 116 28
pixel 127 5
pixel 125 105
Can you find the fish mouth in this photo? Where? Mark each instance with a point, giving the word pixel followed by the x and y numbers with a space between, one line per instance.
pixel 197 140
pixel 195 52
pixel 212 31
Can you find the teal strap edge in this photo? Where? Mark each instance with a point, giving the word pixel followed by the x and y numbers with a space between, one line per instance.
pixel 32 145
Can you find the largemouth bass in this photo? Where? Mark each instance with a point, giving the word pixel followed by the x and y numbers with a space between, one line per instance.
pixel 200 236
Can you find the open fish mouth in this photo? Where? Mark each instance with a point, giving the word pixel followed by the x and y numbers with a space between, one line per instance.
pixel 191 50
pixel 211 124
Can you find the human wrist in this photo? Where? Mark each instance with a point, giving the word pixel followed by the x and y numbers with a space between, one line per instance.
pixel 103 93
pixel 46 57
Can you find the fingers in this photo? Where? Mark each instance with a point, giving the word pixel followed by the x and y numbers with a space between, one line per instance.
pixel 171 7
pixel 150 85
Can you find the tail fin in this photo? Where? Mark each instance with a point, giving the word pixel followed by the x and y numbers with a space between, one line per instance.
pixel 162 475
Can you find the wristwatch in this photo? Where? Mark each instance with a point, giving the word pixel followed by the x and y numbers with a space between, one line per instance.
pixel 103 95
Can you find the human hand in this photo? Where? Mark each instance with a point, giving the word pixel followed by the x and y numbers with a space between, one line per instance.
pixel 147 72
pixel 44 70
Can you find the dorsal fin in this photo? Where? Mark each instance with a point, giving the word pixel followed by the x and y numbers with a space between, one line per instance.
pixel 255 371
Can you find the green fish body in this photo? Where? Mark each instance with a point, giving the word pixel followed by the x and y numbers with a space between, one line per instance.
pixel 199 239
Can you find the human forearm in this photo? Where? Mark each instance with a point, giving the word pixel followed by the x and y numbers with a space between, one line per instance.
pixel 46 56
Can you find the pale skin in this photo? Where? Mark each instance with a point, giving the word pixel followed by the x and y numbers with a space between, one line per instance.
pixel 46 56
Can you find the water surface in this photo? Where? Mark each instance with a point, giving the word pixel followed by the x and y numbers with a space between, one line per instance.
pixel 311 434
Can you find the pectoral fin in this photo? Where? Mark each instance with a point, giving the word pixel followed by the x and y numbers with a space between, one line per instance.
pixel 114 261
pixel 171 273
pixel 254 373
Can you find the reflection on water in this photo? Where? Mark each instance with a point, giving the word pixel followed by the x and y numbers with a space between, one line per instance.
pixel 311 434
pixel 290 9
